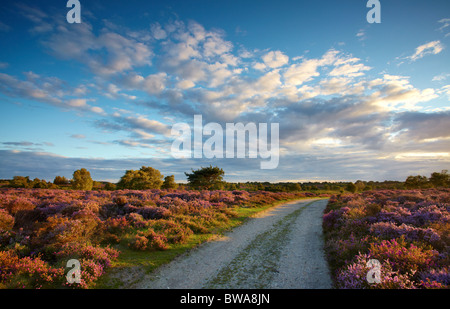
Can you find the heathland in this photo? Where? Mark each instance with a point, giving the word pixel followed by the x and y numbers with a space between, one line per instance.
pixel 406 230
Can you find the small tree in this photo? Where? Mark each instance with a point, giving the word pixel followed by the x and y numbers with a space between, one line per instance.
pixel 144 179
pixel 416 182
pixel 21 182
pixel 351 187
pixel 60 180
pixel 169 182
pixel 39 184
pixel 82 180
pixel 206 178
pixel 110 186
pixel 441 179
pixel 360 185
pixel 295 187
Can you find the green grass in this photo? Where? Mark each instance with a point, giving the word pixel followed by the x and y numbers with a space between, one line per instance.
pixel 147 261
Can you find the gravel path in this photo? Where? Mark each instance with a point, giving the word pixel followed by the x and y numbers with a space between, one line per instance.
pixel 279 248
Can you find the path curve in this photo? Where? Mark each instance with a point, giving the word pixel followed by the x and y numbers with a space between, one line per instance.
pixel 279 248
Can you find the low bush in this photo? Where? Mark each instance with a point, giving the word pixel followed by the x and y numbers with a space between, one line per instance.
pixel 406 231
pixel 43 228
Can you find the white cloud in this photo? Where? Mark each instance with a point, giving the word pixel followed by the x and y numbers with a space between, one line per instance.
pixel 244 53
pixel 154 83
pixel 320 102
pixel 421 155
pixel 119 53
pixel 441 77
pixel 146 125
pixel 48 90
pixel 157 32
pixel 395 93
pixel 334 86
pixel 143 134
pixel 349 70
pixel 298 74
pixel 445 23
pixel 431 48
pixel 77 102
pixel 446 90
pixel 218 74
pixel 361 34
pixel 268 82
pixel 97 110
pixel 259 66
pixel 214 45
pixel 81 104
pixel 229 59
pixel 185 84
pixel 275 59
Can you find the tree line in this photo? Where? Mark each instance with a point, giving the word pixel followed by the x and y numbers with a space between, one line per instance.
pixel 211 178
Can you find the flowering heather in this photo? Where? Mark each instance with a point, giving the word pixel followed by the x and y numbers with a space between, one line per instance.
pixel 406 230
pixel 27 272
pixel 41 229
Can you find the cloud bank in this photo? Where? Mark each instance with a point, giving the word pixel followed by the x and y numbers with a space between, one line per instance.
pixel 338 116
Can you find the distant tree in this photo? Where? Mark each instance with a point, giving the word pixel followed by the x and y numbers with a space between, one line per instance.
pixel 231 186
pixel 441 179
pixel 60 180
pixel 351 187
pixel 82 180
pixel 169 183
pixel 296 187
pixel 206 178
pixel 335 188
pixel 416 182
pixel 21 182
pixel 360 185
pixel 110 186
pixel 144 179
pixel 39 184
pixel 97 185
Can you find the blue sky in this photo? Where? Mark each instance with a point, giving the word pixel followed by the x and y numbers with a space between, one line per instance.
pixel 353 100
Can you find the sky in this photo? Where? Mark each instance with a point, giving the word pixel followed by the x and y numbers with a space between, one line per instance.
pixel 353 100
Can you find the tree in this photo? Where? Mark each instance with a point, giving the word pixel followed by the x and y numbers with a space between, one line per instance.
pixel 60 180
pixel 39 184
pixel 206 178
pixel 110 186
pixel 144 179
pixel 360 185
pixel 231 186
pixel 296 187
pixel 169 182
pixel 351 187
pixel 82 180
pixel 416 182
pixel 21 182
pixel 441 179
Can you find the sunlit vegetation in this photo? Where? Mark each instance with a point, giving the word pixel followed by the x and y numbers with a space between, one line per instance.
pixel 41 229
pixel 407 231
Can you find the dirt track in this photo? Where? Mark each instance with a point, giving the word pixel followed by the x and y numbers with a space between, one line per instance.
pixel 279 248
